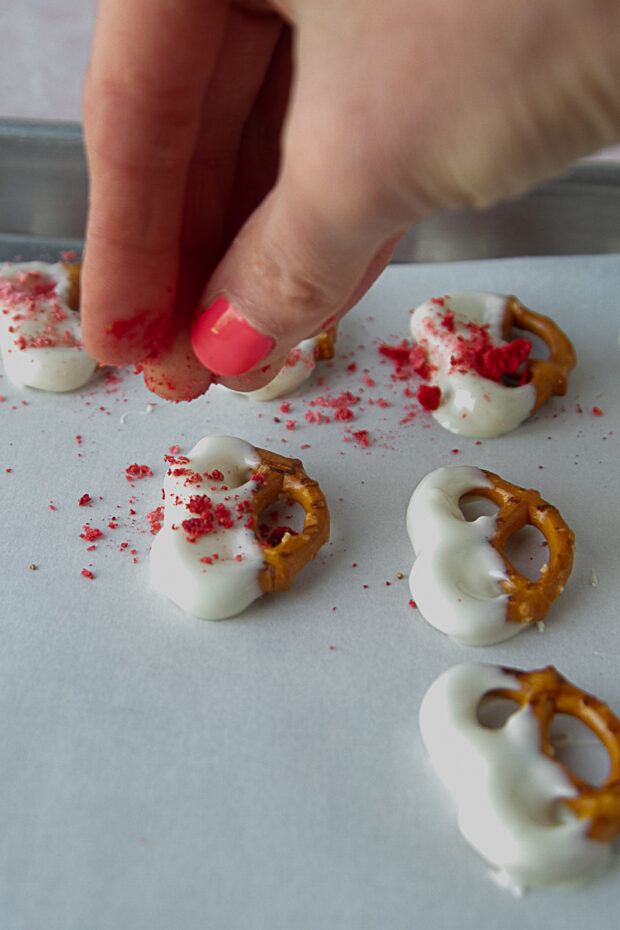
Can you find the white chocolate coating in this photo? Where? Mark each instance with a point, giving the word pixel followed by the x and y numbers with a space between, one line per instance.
pixel 225 582
pixel 40 336
pixel 455 579
pixel 471 404
pixel 298 367
pixel 507 791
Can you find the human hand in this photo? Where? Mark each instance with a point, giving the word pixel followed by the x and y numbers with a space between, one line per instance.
pixel 396 109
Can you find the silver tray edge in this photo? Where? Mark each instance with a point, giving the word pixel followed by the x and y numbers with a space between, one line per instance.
pixel 44 198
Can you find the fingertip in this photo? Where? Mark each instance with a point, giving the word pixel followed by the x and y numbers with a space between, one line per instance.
pixel 175 373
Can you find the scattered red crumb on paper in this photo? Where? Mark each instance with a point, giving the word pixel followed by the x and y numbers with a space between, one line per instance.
pixel 90 533
pixel 137 471
pixel 86 573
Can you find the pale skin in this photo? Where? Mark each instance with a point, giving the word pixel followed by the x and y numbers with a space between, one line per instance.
pixel 274 153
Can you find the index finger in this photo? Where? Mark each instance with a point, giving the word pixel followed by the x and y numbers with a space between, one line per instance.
pixel 150 64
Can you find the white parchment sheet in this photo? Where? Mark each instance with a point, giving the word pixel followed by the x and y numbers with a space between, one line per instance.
pixel 267 772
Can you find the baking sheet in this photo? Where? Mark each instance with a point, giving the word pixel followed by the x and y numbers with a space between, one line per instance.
pixel 267 772
pixel 44 194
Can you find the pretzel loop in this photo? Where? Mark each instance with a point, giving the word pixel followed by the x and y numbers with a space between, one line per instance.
pixel 548 693
pixel 529 601
pixel 549 376
pixel 286 479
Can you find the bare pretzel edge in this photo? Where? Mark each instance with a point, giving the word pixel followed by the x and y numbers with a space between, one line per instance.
pixel 325 343
pixel 73 270
pixel 529 601
pixel 286 479
pixel 549 376
pixel 548 693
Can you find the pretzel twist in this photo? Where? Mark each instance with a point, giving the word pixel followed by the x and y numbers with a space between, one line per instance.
pixel 529 601
pixel 285 479
pixel 549 376
pixel 548 693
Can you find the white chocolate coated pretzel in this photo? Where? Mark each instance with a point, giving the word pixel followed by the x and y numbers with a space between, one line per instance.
pixel 300 364
pixel 472 404
pixel 40 333
pixel 208 556
pixel 461 579
pixel 526 813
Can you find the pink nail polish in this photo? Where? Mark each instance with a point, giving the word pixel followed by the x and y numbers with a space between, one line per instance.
pixel 225 342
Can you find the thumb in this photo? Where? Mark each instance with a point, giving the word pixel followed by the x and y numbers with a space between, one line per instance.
pixel 298 264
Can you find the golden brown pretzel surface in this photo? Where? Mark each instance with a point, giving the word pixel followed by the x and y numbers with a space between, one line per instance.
pixel 326 342
pixel 74 270
pixel 529 601
pixel 548 693
pixel 549 376
pixel 285 479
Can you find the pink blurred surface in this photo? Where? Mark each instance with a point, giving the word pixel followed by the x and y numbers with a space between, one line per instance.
pixel 46 45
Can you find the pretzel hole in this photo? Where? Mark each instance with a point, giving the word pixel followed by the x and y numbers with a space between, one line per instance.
pixel 494 711
pixel 281 517
pixel 473 506
pixel 527 551
pixel 578 747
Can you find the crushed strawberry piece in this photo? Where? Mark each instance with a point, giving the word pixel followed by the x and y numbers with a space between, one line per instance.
pixel 429 396
pixel 137 471
pixel 90 533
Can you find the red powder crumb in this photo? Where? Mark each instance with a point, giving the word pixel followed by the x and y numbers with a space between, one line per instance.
pixel 154 519
pixel 477 353
pixel 413 605
pixel 597 411
pixel 85 500
pixel 399 356
pixel 285 406
pixel 429 396
pixel 87 574
pixel 137 471
pixel 90 533
pixel 448 321
pixel 290 424
pixel 174 450
pixel 362 438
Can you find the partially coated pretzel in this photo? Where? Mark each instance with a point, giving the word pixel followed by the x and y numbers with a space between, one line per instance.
pixel 529 601
pixel 548 693
pixel 285 479
pixel 548 376
pixel 40 336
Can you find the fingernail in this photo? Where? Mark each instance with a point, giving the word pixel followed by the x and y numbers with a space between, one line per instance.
pixel 225 342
